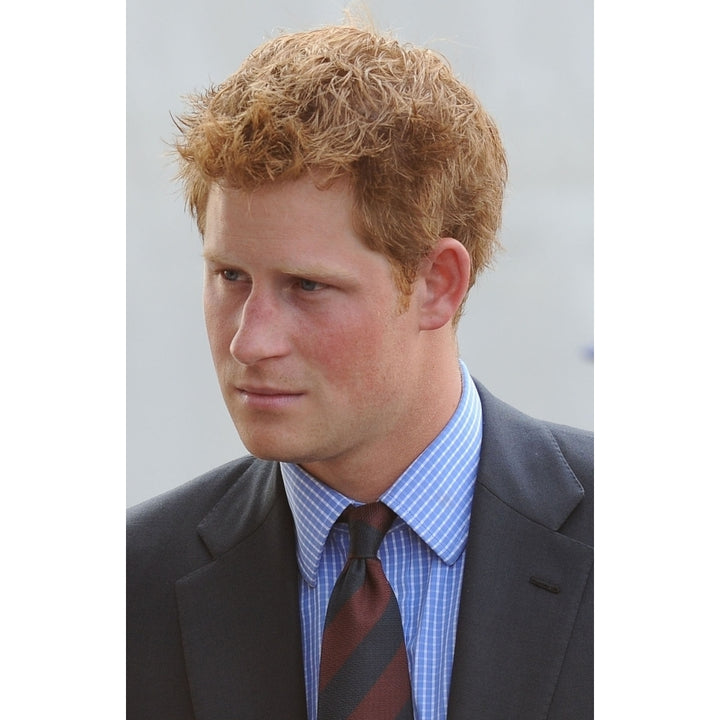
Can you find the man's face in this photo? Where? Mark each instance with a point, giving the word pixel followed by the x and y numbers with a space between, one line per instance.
pixel 316 363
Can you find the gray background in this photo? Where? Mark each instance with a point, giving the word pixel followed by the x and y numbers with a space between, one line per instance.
pixel 527 332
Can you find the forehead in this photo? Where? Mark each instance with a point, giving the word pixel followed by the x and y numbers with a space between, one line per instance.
pixel 284 206
pixel 289 225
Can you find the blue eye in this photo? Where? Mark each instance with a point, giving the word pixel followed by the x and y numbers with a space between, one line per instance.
pixel 230 275
pixel 309 285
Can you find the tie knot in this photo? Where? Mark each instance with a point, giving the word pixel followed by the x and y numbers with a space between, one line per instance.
pixel 368 525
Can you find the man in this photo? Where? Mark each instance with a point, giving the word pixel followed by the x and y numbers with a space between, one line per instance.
pixel 348 190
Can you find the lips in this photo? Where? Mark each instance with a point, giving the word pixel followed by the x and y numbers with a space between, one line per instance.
pixel 267 398
pixel 265 391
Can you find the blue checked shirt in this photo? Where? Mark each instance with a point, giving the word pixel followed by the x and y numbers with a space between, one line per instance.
pixel 423 553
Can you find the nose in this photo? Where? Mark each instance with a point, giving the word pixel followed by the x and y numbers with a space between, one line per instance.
pixel 261 331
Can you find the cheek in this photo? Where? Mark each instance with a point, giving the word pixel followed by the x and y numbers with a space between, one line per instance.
pixel 353 350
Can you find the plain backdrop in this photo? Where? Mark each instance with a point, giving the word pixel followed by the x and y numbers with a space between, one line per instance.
pixel 528 329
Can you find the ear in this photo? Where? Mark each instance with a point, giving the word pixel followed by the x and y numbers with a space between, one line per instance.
pixel 444 278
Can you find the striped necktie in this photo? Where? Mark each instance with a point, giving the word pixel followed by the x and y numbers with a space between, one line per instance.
pixel 364 667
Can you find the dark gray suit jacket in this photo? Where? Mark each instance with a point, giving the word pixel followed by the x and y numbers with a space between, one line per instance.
pixel 213 625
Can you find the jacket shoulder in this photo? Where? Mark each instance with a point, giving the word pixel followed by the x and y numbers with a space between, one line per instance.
pixel 577 449
pixel 162 532
pixel 187 503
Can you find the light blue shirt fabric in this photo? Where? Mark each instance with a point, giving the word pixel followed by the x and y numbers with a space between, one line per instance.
pixel 422 554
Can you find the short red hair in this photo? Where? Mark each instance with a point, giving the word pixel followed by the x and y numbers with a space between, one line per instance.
pixel 423 157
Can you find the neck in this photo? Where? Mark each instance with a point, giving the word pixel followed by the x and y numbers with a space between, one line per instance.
pixel 366 475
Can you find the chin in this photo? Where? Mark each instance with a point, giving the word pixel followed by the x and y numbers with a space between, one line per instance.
pixel 273 448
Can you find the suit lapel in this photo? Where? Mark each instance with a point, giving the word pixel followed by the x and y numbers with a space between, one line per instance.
pixel 523 581
pixel 239 614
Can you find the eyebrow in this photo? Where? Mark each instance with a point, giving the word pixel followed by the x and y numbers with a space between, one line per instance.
pixel 316 271
pixel 212 257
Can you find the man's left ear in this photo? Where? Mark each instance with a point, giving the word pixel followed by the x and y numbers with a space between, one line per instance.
pixel 445 278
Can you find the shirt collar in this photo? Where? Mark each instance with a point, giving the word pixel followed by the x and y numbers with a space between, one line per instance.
pixel 315 508
pixel 433 496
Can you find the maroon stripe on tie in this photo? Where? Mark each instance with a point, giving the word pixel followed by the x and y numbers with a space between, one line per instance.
pixel 361 612
pixel 391 692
